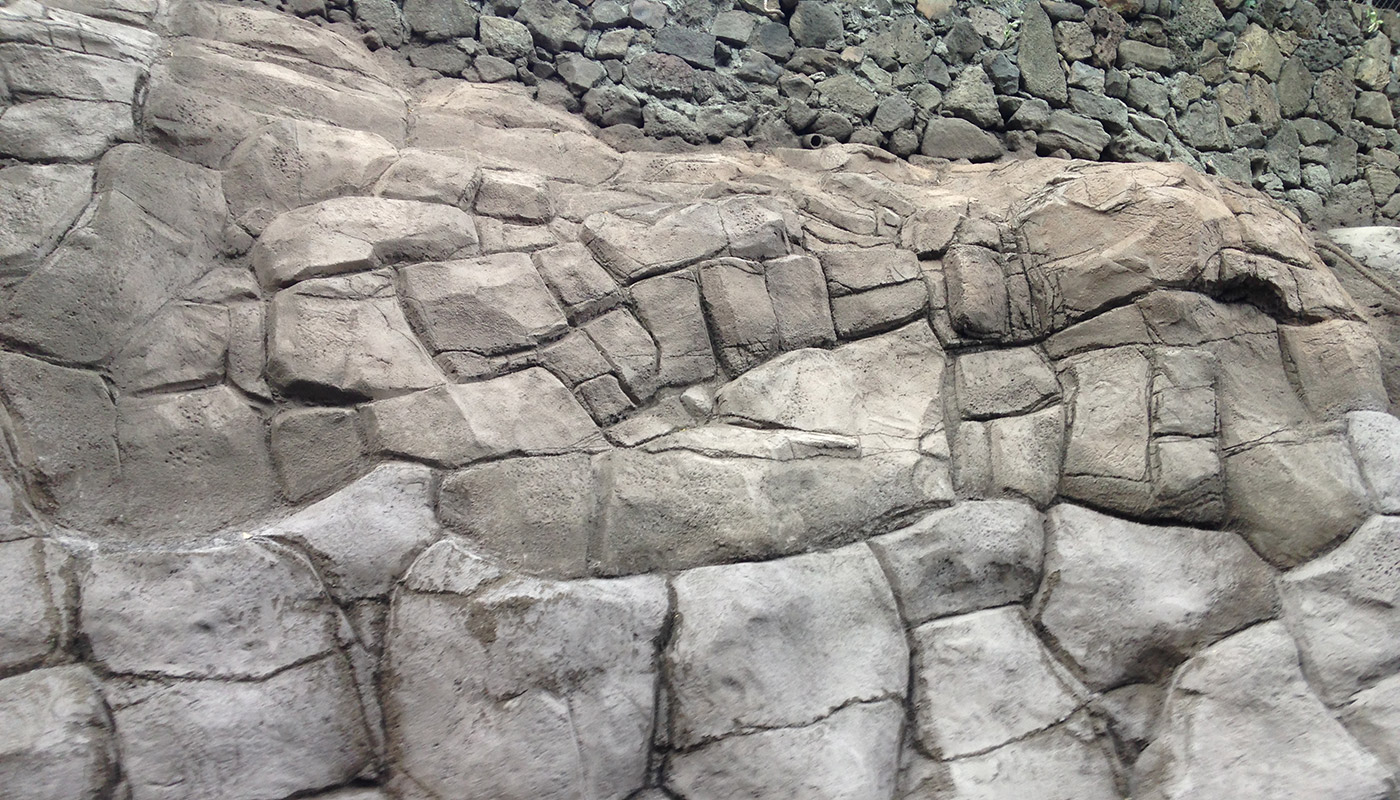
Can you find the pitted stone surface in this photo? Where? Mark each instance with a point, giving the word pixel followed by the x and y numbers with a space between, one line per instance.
pixel 375 436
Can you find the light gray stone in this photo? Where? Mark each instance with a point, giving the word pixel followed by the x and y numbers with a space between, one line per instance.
pixel 365 536
pixel 296 731
pixel 575 277
pixel 523 413
pixel 1373 717
pixel 233 611
pixel 290 163
pixel 983 680
pixel 1327 497
pixel 632 248
pixel 1065 761
pixel 315 450
pixel 513 195
pixel 1128 601
pixel 1375 441
pixel 782 644
pixel 852 754
pixel 38 203
pixel 353 234
pixel 1026 453
pixel 426 176
pixel 972 556
pixel 677 509
pixel 536 514
pixel 506 688
pixel 994 383
pixel 56 736
pixel 36 622
pixel 740 312
pixel 952 138
pixel 669 307
pixel 487 305
pixel 184 346
pixel 1240 721
pixel 797 290
pixel 629 348
pixel 346 337
pixel 192 462
pixel 1341 610
pixel 1106 455
pixel 1038 58
pixel 859 389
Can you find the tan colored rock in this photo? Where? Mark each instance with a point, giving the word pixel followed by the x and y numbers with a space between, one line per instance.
pixel 487 305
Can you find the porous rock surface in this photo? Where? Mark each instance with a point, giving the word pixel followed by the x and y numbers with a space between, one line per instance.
pixel 368 438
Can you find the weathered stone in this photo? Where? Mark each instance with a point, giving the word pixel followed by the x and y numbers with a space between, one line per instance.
pixel 669 307
pixel 37 623
pixel 505 38
pixel 1373 717
pixel 514 196
pixel 952 138
pixel 287 164
pixel 1064 760
pixel 1081 138
pixel 534 513
pixel 511 688
pixel 1038 57
pixel 296 731
pixel 983 680
pixel 971 96
pixel 1128 601
pixel 994 383
pixel 661 75
pixel 352 234
pixel 64 426
pixel 802 638
pixel 523 413
pixel 680 509
pixel 38 203
pixel 430 177
pixel 575 277
pixel 56 736
pixel 315 450
pixel 1133 53
pixel 797 289
pixel 740 313
pixel 1025 453
pixel 366 535
pixel 975 555
pixel 665 239
pixel 488 305
pixel 191 462
pixel 1375 441
pixel 556 24
pixel 184 346
pixel 860 389
pixel 695 47
pixel 852 754
pixel 1106 455
pixel 627 346
pixel 847 94
pixel 1341 610
pixel 346 337
pixel 234 611
pixel 1327 496
pixel 154 227
pixel 1240 721
pixel 1322 354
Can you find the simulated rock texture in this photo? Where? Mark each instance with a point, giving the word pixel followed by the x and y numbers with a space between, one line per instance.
pixel 375 438
pixel 1298 98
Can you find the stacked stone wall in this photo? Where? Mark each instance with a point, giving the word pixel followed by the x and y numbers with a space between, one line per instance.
pixel 1297 98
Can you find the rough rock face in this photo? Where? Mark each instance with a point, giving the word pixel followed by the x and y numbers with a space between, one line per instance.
pixel 375 439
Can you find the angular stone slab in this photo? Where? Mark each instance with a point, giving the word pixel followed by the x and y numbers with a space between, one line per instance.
pixel 984 680
pixel 782 644
pixel 235 611
pixel 367 534
pixel 36 621
pixel 1241 722
pixel 523 413
pixel 297 731
pixel 355 234
pixel 519 689
pixel 1341 609
pixel 1129 601
pixel 852 755
pixel 56 736
pixel 37 205
pixel 654 240
pixel 678 509
pixel 345 338
pixel 887 387
pixel 972 556
pixel 1375 441
pixel 486 305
